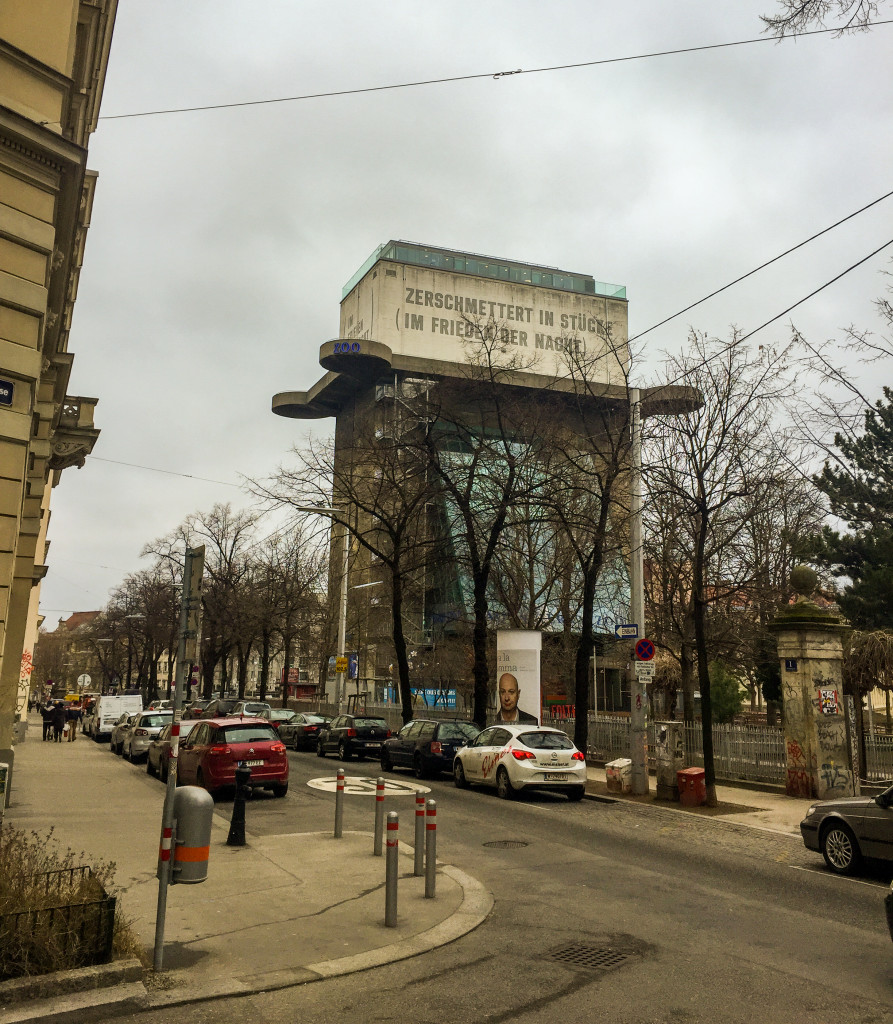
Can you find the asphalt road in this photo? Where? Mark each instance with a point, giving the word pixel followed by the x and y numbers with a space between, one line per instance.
pixel 707 921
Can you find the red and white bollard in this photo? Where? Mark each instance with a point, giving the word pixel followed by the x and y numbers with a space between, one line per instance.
pixel 379 816
pixel 430 849
pixel 419 860
pixel 390 888
pixel 339 803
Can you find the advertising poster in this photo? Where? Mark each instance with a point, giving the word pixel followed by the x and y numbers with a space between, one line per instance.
pixel 518 675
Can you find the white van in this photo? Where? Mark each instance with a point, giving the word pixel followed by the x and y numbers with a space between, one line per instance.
pixel 108 710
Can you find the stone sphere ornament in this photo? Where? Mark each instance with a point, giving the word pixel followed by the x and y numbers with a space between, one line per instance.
pixel 804 580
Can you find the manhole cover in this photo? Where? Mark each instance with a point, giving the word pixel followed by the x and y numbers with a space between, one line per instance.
pixel 506 844
pixel 593 958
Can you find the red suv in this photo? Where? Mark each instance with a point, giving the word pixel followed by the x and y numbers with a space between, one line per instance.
pixel 211 752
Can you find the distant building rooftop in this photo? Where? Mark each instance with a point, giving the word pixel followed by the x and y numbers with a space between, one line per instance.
pixel 486 267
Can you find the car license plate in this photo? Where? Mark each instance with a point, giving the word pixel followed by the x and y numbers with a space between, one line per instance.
pixel 556 777
pixel 250 764
pixel 371 745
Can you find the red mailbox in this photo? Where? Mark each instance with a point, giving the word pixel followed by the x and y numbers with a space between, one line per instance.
pixel 692 788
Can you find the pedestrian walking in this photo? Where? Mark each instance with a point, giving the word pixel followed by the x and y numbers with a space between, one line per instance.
pixel 46 713
pixel 73 717
pixel 60 717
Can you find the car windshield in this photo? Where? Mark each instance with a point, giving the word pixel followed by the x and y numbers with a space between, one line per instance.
pixel 379 722
pixel 316 719
pixel 282 714
pixel 155 721
pixel 249 733
pixel 457 731
pixel 546 741
pixel 256 707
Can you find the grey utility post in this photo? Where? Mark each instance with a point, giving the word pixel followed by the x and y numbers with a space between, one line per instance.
pixel 187 649
pixel 638 698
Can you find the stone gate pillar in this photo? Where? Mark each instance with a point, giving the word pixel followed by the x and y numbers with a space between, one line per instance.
pixel 818 744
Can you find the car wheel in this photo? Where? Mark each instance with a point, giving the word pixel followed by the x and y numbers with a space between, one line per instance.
pixel 319 750
pixel 504 785
pixel 200 781
pixel 294 743
pixel 163 772
pixel 150 768
pixel 576 794
pixel 418 767
pixel 841 849
pixel 387 765
pixel 459 775
pixel 342 752
pixel 126 754
pixel 280 789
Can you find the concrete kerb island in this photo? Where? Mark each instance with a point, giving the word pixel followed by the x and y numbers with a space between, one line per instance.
pixel 283 910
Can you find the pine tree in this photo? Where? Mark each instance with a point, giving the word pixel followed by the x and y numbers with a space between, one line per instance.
pixel 860 492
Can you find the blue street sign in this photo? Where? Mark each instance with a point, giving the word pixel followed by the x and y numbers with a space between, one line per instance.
pixel 628 630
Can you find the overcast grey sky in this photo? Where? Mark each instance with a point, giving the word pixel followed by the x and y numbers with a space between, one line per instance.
pixel 220 239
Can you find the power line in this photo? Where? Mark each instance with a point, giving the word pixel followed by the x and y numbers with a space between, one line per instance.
pixel 739 341
pixel 167 472
pixel 472 77
pixel 762 266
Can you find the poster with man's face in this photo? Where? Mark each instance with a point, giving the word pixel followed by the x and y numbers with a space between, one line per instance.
pixel 518 676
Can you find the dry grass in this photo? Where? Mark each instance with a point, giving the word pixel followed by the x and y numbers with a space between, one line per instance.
pixel 51 939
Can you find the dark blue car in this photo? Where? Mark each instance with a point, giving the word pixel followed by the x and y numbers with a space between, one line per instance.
pixel 427 746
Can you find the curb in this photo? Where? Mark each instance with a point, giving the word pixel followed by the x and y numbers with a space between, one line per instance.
pixel 69 997
pixel 477 903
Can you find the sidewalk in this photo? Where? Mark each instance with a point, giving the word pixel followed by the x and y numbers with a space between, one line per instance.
pixel 742 805
pixel 283 910
pixel 323 897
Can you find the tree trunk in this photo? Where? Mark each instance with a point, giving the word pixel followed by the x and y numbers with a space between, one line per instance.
pixel 583 660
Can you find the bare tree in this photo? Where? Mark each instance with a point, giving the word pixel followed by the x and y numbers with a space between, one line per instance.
pixel 715 463
pixel 803 15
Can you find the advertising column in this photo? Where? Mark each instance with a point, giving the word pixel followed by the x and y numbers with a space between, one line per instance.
pixel 518 675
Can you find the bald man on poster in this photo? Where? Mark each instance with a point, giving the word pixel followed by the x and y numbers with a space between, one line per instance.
pixel 509 712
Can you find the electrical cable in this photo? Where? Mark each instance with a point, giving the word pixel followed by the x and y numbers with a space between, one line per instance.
pixel 762 266
pixel 467 78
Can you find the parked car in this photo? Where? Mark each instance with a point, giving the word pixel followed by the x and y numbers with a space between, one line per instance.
pixel 353 735
pixel 302 731
pixel 220 707
pixel 278 717
pixel 146 726
pixel 119 732
pixel 427 746
pixel 215 747
pixel 518 757
pixel 161 705
pixel 848 829
pixel 159 751
pixel 195 709
pixel 251 709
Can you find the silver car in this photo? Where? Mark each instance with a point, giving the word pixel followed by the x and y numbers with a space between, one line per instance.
pixel 145 727
pixel 119 733
pixel 851 828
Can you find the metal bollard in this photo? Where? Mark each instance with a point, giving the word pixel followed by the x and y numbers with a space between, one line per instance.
pixel 339 803
pixel 236 835
pixel 390 899
pixel 419 862
pixel 379 816
pixel 430 849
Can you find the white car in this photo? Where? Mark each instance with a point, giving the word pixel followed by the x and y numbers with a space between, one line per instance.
pixel 517 757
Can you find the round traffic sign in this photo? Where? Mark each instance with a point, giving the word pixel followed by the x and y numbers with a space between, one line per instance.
pixel 644 649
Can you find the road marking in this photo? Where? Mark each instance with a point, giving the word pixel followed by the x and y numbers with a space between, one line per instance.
pixel 842 878
pixel 358 785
